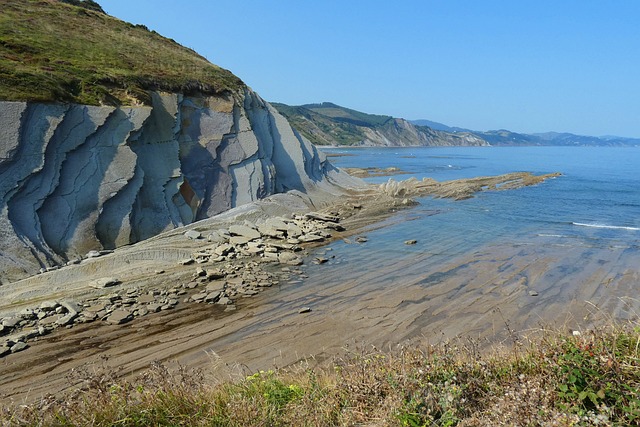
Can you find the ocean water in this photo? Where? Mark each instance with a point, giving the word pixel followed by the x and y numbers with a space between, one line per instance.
pixel 564 246
pixel 596 201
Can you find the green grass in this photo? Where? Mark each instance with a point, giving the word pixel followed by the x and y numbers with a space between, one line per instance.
pixel 53 51
pixel 563 380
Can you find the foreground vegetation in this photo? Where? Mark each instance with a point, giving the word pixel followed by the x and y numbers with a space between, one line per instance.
pixel 54 51
pixel 587 379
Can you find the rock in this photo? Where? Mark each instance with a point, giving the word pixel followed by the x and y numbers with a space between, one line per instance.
pixel 11 322
pixel 51 320
pixel 361 239
pixel 224 249
pixel 19 346
pixel 239 240
pixel 93 254
pixel 193 234
pixel 322 217
pixel 289 258
pixel 304 310
pixel 224 301
pixel 27 314
pixel 216 286
pixel 410 242
pixel 66 319
pixel 212 297
pixel 215 274
pixel 218 236
pixel 533 293
pixel 119 317
pixel 147 298
pixel 158 271
pixel 104 282
pixel 294 231
pixel 276 223
pixel 49 305
pixel 244 231
pixel 199 297
pixel 187 261
pixel 308 238
pixel 320 260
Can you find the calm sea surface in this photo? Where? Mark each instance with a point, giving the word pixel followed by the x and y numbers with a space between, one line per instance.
pixel 595 204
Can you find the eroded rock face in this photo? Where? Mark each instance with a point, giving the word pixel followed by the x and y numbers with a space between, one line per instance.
pixel 77 178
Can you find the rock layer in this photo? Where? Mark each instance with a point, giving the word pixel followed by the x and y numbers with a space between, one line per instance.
pixel 77 178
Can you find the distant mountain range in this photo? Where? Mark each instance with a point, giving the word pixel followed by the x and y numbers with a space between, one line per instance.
pixel 330 124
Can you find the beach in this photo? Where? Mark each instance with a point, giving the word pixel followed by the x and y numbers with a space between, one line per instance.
pixel 314 311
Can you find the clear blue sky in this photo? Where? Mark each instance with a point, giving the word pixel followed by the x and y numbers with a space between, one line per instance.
pixel 522 65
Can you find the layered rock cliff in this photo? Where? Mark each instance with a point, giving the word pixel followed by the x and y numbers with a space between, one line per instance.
pixel 76 178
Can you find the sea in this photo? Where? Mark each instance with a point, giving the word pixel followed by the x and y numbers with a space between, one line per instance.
pixel 574 239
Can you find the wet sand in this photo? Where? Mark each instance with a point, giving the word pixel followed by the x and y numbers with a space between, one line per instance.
pixel 485 294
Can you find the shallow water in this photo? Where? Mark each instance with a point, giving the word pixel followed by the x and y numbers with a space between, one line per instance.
pixel 573 239
pixel 595 203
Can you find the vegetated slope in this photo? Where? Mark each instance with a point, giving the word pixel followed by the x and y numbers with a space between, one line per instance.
pixel 331 124
pixel 54 51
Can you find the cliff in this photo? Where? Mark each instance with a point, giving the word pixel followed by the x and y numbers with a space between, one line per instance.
pixel 76 178
pixel 111 134
pixel 330 124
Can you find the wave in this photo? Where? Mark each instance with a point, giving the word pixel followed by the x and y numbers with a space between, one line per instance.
pixel 613 227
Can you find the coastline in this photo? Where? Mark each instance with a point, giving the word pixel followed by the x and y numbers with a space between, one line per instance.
pixel 267 328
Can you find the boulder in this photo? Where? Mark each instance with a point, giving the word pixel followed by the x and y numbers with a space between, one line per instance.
pixel 193 234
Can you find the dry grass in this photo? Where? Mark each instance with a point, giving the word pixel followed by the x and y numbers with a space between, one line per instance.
pixel 52 51
pixel 590 379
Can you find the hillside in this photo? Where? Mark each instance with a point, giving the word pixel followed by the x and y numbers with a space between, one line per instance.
pixel 54 51
pixel 505 137
pixel 331 124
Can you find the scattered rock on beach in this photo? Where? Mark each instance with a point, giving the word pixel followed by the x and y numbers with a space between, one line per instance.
pixel 104 282
pixel 410 242
pixel 192 234
pixel 304 310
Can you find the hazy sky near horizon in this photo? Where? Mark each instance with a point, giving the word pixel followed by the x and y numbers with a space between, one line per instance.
pixel 527 66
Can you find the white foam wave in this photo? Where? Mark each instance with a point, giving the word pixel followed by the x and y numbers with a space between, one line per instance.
pixel 613 227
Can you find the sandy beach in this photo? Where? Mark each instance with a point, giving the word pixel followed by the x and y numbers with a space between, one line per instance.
pixel 496 294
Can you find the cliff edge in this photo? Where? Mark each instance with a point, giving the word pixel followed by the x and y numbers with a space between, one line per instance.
pixel 76 177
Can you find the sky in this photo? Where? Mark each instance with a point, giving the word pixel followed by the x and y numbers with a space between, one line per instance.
pixel 523 65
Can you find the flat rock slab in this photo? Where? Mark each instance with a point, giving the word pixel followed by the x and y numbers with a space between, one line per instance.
pixel 322 217
pixel 119 317
pixel 146 298
pixel 244 231
pixel 104 282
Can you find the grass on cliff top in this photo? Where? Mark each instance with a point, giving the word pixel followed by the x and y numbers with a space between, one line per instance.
pixel 53 51
pixel 591 379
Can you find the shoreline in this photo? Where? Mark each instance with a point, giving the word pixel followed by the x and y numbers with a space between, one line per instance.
pixel 192 336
